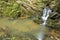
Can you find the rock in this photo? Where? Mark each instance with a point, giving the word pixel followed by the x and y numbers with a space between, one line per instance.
pixel 11 19
pixel 52 35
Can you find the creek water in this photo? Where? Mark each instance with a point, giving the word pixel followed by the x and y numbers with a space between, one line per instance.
pixel 43 30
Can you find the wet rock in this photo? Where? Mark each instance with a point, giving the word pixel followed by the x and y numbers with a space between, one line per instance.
pixel 11 19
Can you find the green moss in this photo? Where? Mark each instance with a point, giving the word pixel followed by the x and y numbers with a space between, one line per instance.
pixel 53 24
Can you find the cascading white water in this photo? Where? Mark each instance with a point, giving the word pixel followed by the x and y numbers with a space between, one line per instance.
pixel 46 12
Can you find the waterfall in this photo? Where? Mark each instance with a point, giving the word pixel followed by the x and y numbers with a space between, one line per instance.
pixel 46 12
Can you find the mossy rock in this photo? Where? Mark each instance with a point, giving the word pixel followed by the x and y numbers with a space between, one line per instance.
pixel 53 24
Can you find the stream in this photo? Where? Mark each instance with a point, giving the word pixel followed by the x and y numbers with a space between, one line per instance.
pixel 43 30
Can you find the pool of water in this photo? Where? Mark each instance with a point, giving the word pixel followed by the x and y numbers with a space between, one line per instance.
pixel 24 25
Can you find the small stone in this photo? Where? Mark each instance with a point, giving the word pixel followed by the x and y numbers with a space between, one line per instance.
pixel 52 37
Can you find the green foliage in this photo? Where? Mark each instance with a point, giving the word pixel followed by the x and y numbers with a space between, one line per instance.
pixel 14 8
pixel 9 9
